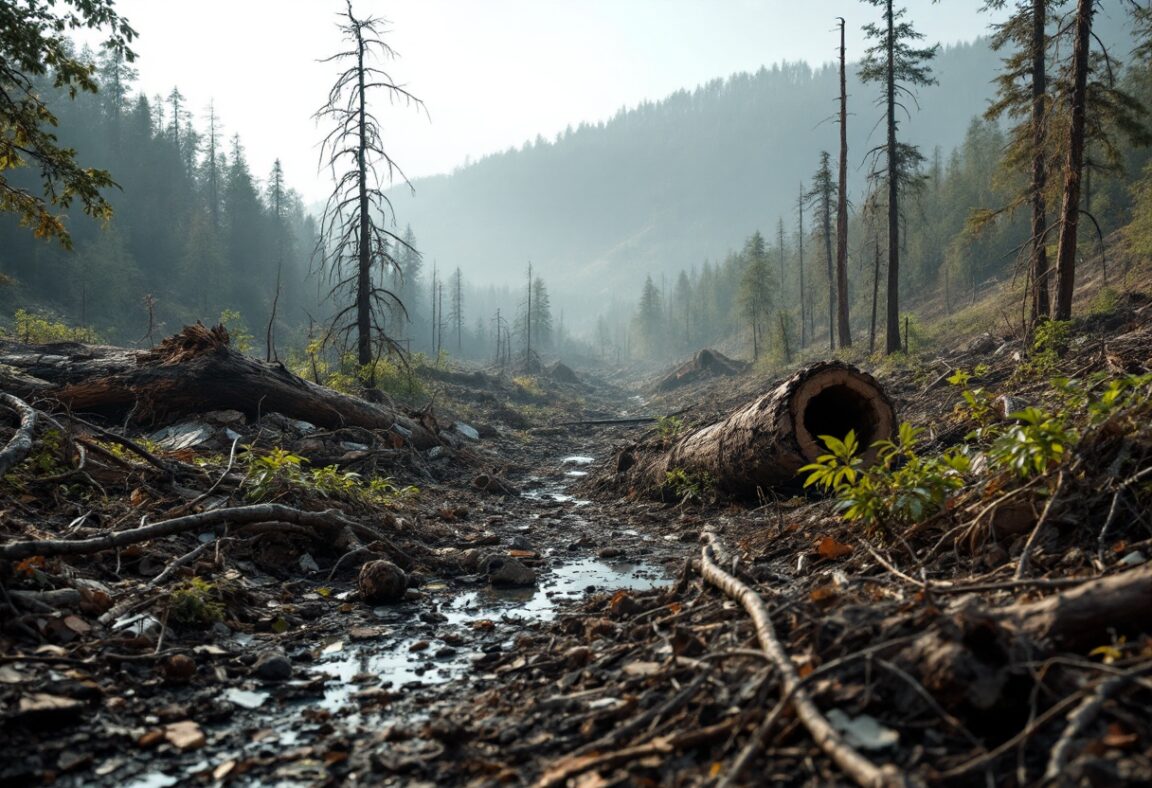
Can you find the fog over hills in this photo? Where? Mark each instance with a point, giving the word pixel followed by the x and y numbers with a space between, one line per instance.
pixel 669 184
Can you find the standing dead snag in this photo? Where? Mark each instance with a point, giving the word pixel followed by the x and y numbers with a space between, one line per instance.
pixel 763 444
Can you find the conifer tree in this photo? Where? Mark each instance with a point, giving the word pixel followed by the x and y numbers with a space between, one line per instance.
pixel 898 67
pixel 820 197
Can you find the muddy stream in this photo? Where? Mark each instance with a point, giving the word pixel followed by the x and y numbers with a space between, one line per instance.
pixel 390 665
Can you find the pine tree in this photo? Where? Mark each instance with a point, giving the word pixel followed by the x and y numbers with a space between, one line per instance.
pixel 894 63
pixel 820 197
pixel 756 292
pixel 456 307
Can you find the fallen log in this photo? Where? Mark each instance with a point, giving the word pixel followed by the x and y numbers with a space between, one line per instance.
pixel 762 445
pixel 705 364
pixel 192 372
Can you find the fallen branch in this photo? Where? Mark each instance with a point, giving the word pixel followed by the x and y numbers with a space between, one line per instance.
pixel 1079 719
pixel 1026 552
pixel 20 445
pixel 855 765
pixel 568 768
pixel 241 515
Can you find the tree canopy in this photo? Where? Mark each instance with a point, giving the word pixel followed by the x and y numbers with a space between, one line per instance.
pixel 34 43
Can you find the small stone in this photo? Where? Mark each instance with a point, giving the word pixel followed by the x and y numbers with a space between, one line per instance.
pixel 178 668
pixel 609 552
pixel 184 735
pixel 272 666
pixel 509 573
pixel 578 656
pixel 520 542
pixel 382 581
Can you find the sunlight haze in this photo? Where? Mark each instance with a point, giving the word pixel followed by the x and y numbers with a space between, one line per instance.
pixel 492 74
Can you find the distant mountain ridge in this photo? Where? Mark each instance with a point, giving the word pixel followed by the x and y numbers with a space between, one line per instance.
pixel 666 185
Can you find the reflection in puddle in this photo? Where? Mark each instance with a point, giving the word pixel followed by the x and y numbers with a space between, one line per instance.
pixel 407 654
pixel 568 581
pixel 393 659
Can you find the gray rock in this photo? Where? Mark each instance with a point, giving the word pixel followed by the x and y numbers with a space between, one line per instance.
pixel 509 573
pixel 520 542
pixel 381 582
pixel 272 666
pixel 467 430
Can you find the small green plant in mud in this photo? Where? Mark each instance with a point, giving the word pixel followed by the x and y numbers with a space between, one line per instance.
pixel 1049 343
pixel 196 602
pixel 1033 445
pixel 903 487
pixel 279 472
pixel 669 427
pixel 979 404
pixel 529 385
pixel 384 491
pixel 273 473
pixel 688 485
pixel 47 459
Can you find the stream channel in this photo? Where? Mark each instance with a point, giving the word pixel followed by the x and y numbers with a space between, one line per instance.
pixel 391 666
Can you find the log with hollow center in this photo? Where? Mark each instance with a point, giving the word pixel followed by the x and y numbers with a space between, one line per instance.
pixel 762 445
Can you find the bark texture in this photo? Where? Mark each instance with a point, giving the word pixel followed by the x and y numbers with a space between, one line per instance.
pixel 192 372
pixel 763 444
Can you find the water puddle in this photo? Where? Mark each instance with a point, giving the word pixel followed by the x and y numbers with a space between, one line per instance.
pixel 399 661
pixel 409 653
pixel 567 582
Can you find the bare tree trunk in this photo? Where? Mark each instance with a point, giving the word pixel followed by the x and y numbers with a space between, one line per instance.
pixel 763 444
pixel 892 331
pixel 827 217
pixel 800 250
pixel 875 297
pixel 1040 305
pixel 364 253
pixel 1070 208
pixel 843 321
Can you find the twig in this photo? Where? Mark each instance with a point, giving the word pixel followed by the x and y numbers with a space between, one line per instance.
pixel 1078 720
pixel 568 768
pixel 1030 729
pixel 183 560
pixel 637 723
pixel 131 445
pixel 21 443
pixel 760 736
pixel 856 766
pixel 187 507
pixel 929 587
pixel 1026 553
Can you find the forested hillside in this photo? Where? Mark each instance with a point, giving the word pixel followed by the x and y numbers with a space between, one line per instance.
pixel 195 233
pixel 668 184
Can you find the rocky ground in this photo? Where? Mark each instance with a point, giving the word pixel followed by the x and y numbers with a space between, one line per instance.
pixel 521 622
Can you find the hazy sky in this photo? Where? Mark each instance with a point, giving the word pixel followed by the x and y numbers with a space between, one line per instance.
pixel 492 73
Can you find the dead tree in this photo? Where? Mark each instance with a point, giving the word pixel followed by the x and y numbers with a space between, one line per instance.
pixel 192 372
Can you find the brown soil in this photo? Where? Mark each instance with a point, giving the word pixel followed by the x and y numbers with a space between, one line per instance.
pixel 912 640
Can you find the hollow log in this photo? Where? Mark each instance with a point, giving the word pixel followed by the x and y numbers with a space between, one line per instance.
pixel 762 445
pixel 192 372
